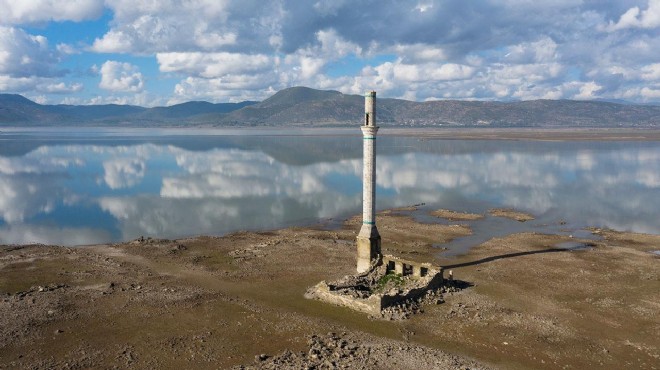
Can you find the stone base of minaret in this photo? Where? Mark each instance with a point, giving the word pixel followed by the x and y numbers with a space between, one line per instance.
pixel 368 248
pixel 394 289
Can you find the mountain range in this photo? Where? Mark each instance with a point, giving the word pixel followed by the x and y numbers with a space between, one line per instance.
pixel 303 106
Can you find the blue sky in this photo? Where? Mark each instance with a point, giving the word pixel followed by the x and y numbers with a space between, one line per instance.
pixel 151 53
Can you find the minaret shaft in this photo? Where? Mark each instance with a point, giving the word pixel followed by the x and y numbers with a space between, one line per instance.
pixel 368 240
pixel 369 175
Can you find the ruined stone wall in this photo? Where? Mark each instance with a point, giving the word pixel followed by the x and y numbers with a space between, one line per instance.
pixel 322 291
pixel 421 278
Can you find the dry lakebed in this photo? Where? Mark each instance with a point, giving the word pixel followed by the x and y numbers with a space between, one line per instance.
pixel 237 302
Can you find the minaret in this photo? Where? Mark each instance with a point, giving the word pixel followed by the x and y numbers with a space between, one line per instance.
pixel 368 240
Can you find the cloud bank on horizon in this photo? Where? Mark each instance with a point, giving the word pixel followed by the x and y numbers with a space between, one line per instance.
pixel 150 53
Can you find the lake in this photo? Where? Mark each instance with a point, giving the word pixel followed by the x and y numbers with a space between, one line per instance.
pixel 89 186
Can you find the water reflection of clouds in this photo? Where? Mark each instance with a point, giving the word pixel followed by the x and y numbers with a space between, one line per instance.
pixel 239 174
pixel 36 165
pixel 24 196
pixel 123 172
pixel 149 215
pixel 25 233
pixel 226 189
pixel 615 189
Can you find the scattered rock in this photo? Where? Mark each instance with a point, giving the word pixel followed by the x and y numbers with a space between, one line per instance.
pixel 333 351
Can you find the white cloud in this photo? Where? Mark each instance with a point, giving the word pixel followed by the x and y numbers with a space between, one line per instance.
pixel 424 6
pixel 420 53
pixel 651 72
pixel 451 81
pixel 541 51
pixel 513 49
pixel 60 88
pixel 228 75
pixel 310 67
pixel 431 72
pixel 225 89
pixel 588 90
pixel 131 9
pixel 67 49
pixel 650 93
pixel 146 27
pixel 213 65
pixel 334 46
pixel 25 55
pixel 211 40
pixel 636 18
pixel 31 11
pixel 329 7
pixel 117 76
pixel 18 84
pixel 113 42
pixel 142 98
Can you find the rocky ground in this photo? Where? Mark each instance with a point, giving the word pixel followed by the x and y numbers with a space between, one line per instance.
pixel 237 301
pixel 355 351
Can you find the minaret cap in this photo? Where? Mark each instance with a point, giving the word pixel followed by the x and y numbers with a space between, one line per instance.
pixel 370 109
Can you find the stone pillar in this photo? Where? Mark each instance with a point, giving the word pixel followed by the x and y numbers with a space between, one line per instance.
pixel 368 240
pixel 398 267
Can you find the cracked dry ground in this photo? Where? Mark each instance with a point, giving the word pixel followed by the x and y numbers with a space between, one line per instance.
pixel 217 302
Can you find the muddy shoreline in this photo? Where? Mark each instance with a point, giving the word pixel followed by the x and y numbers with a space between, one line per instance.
pixel 217 302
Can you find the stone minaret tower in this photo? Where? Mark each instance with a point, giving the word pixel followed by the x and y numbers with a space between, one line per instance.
pixel 368 240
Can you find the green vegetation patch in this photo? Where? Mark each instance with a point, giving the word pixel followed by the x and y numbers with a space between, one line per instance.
pixel 390 280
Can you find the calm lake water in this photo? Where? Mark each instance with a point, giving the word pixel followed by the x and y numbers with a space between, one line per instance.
pixel 89 186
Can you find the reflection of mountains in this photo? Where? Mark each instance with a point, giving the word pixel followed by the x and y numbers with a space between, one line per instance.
pixel 304 150
pixel 295 150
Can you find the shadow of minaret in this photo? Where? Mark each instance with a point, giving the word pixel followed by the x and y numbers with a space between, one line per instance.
pixel 508 255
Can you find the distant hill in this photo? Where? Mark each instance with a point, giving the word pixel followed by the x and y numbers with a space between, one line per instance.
pixel 96 112
pixel 310 107
pixel 18 110
pixel 300 105
pixel 191 109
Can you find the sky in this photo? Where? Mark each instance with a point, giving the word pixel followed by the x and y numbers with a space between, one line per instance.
pixel 158 53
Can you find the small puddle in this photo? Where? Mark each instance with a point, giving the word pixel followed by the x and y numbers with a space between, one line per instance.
pixel 495 227
pixel 491 227
pixel 657 253
pixel 482 230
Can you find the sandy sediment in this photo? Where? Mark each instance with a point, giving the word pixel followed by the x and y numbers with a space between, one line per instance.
pixel 510 213
pixel 456 216
pixel 532 301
